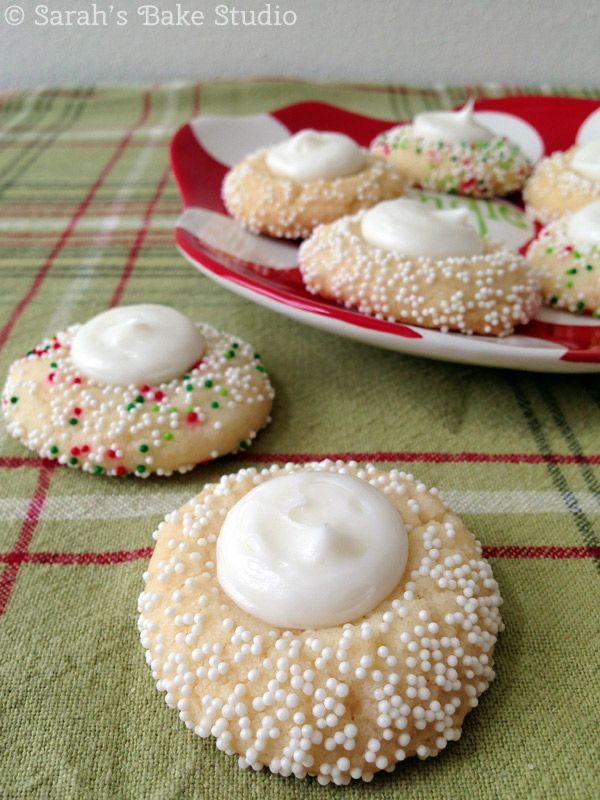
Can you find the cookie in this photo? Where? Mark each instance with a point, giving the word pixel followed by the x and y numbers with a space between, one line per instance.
pixel 449 151
pixel 343 700
pixel 488 292
pixel 318 179
pixel 214 405
pixel 562 183
pixel 566 257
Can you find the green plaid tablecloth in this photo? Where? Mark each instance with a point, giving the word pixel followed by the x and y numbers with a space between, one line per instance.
pixel 87 208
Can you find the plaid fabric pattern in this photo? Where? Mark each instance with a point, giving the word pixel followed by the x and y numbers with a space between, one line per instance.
pixel 87 209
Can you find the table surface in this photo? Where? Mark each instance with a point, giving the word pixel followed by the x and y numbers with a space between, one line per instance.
pixel 87 208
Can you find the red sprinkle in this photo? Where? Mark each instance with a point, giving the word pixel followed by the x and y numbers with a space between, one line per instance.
pixel 76 381
pixel 145 388
pixel 158 395
pixel 51 376
pixel 77 411
pixel 111 453
pixel 75 451
pixel 85 448
pixel 120 471
pixel 192 418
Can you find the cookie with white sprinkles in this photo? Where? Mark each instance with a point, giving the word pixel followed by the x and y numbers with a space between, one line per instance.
pixel 325 619
pixel 311 178
pixel 564 182
pixel 450 151
pixel 137 390
pixel 406 261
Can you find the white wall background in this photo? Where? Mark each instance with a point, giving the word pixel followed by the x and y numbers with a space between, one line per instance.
pixel 554 42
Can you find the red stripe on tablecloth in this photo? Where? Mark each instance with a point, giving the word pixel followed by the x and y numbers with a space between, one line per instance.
pixel 139 240
pixel 541 551
pixel 70 559
pixel 80 211
pixel 144 227
pixel 122 556
pixel 15 462
pixel 32 517
pixel 12 462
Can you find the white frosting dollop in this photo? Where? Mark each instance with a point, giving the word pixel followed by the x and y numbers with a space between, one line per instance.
pixel 586 160
pixel 310 155
pixel 457 127
pixel 413 228
pixel 137 344
pixel 311 549
pixel 583 226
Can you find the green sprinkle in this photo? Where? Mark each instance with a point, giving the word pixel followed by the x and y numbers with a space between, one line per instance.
pixel 256 355
pixel 53 364
pixel 576 254
pixel 155 407
pixel 235 345
pixel 54 449
pixel 223 392
pixel 554 299
pixel 73 421
pixel 167 436
pixel 14 400
pixel 130 406
pixel 214 404
pixel 208 383
pixel 569 284
pixel 186 377
pixel 571 271
pixel 98 469
pixel 589 267
pixel 73 461
pixel 173 410
pixel 580 306
pixel 189 387
pixel 144 448
pixel 549 250
pixel 140 468
pixel 260 368
pixel 139 398
pixel 229 354
pixel 244 444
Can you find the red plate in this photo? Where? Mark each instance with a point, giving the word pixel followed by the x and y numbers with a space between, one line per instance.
pixel 264 270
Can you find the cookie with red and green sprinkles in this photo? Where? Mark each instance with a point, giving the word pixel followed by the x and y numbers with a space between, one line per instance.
pixel 562 183
pixel 102 397
pixel 566 256
pixel 477 169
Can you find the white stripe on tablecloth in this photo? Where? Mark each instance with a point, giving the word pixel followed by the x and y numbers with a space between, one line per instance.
pixel 113 220
pixel 109 506
pixel 14 121
pixel 116 134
